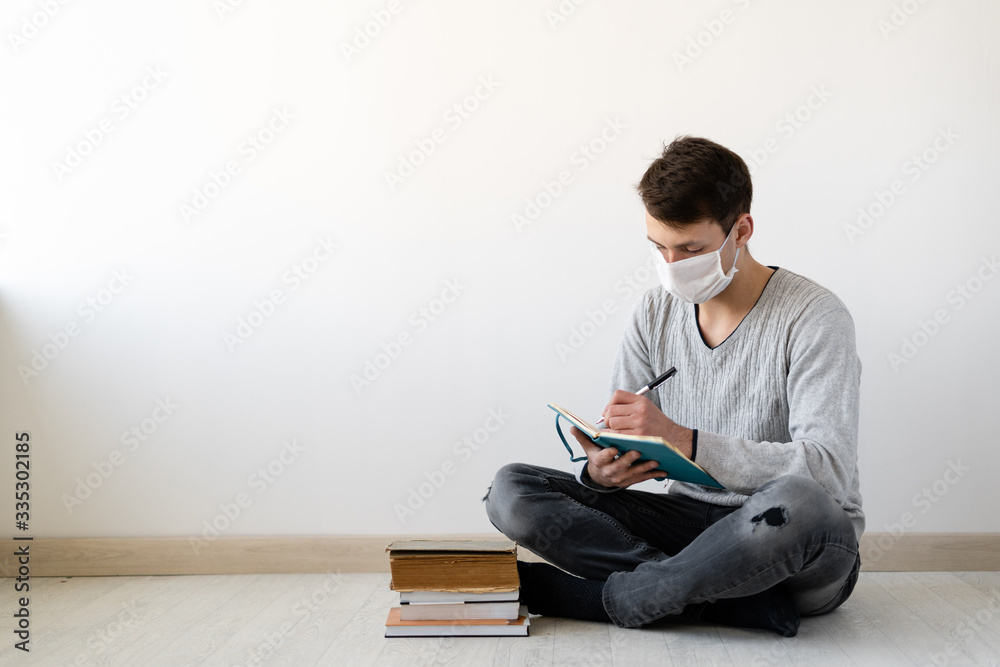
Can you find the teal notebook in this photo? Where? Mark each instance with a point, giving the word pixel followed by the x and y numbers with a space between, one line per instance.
pixel 672 463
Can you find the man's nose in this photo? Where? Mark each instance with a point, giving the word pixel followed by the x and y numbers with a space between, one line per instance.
pixel 671 255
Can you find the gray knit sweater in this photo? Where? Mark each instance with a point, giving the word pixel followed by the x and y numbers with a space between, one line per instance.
pixel 778 397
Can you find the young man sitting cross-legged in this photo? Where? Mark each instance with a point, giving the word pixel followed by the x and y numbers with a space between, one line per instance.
pixel 765 399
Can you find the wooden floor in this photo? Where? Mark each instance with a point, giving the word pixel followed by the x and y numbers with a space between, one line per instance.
pixel 892 619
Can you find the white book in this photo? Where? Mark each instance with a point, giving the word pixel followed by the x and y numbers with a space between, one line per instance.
pixel 432 597
pixel 438 611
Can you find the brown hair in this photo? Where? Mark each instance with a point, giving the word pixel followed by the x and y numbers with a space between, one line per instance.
pixel 696 179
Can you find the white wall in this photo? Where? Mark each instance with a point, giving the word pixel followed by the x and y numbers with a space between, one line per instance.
pixel 886 81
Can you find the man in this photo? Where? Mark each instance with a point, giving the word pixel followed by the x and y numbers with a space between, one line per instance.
pixel 765 399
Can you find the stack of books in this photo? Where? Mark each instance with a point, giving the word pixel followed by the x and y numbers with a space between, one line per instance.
pixel 455 588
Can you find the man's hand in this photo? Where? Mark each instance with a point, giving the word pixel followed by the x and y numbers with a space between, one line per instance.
pixel 634 415
pixel 608 469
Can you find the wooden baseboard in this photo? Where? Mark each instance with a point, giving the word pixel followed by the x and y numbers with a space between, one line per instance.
pixel 95 557
pixel 930 552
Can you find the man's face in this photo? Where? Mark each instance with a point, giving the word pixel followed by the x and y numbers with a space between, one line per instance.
pixel 689 240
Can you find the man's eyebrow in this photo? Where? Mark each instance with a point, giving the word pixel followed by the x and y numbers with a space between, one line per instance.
pixel 679 245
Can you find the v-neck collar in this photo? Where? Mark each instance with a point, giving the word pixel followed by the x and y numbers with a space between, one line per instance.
pixel 753 309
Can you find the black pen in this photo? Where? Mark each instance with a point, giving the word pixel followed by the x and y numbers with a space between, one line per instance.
pixel 652 385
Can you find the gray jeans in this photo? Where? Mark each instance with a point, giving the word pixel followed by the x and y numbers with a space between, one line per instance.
pixel 659 553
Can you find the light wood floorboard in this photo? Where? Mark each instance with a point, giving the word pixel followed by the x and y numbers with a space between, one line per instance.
pixel 532 651
pixel 893 618
pixel 213 599
pixel 851 627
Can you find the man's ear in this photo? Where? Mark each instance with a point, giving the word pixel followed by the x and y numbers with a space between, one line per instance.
pixel 744 229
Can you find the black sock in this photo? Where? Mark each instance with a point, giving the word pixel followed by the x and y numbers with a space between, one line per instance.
pixel 773 609
pixel 549 591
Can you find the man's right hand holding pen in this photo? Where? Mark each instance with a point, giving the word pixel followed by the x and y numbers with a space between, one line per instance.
pixel 633 414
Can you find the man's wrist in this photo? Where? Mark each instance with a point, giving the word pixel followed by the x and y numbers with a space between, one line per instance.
pixel 686 440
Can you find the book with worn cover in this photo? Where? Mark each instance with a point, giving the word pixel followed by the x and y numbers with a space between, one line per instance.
pixel 653 448
pixel 470 566
pixel 396 627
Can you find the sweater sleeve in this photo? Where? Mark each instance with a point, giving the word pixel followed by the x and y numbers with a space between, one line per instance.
pixel 823 396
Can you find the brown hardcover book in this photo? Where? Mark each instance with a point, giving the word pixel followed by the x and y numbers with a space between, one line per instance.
pixel 469 566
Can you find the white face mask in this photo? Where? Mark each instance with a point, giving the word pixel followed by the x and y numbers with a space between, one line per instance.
pixel 695 279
